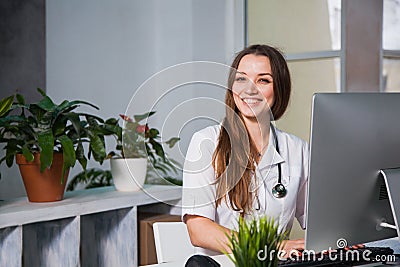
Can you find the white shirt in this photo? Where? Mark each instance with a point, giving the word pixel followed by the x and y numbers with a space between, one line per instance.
pixel 199 189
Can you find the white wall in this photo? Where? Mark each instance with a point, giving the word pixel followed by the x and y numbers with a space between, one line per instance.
pixel 102 51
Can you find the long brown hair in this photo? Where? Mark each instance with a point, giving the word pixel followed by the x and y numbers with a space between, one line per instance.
pixel 234 156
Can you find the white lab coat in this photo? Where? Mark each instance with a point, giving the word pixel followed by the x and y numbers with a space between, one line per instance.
pixel 199 189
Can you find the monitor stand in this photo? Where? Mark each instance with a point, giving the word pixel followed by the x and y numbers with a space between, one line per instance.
pixel 392 181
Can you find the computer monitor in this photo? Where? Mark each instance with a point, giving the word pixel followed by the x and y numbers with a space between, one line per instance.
pixel 353 137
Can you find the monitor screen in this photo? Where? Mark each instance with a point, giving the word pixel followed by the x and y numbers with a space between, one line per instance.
pixel 353 137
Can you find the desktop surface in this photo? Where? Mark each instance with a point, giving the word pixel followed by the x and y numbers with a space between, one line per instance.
pixel 224 261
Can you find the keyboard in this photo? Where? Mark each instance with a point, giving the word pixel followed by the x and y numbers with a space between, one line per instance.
pixel 342 257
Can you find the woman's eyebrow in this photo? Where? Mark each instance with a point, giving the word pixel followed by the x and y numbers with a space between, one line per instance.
pixel 266 73
pixel 240 72
pixel 260 74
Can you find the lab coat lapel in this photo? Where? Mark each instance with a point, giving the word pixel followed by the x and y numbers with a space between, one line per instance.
pixel 271 156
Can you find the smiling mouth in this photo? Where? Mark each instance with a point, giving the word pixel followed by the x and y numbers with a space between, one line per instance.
pixel 251 101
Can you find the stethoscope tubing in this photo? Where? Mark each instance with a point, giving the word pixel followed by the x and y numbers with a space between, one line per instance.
pixel 279 190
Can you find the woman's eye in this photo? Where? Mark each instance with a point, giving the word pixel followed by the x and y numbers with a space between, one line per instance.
pixel 240 79
pixel 264 81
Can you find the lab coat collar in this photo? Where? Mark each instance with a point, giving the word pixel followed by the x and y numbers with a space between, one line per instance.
pixel 271 156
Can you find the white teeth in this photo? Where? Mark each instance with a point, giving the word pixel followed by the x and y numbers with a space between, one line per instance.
pixel 250 100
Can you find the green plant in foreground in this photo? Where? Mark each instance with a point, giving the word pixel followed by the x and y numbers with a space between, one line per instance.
pixel 256 244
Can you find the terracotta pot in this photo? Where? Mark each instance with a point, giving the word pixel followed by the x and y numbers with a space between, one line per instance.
pixel 43 186
pixel 129 174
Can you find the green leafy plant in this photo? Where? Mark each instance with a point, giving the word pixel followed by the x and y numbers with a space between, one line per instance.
pixel 137 140
pixel 134 140
pixel 45 127
pixel 257 243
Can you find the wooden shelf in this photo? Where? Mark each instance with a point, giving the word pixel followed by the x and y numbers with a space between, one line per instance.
pixel 95 227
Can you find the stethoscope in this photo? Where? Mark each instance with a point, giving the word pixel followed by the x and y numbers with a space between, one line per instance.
pixel 279 190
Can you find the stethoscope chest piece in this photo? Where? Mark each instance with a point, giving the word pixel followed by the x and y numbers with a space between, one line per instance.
pixel 279 190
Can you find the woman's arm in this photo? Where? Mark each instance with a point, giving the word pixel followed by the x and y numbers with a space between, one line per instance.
pixel 208 234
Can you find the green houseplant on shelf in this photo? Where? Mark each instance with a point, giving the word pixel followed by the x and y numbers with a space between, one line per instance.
pixel 139 148
pixel 257 243
pixel 47 139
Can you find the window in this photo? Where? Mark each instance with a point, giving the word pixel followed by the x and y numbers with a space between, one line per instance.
pixel 391 46
pixel 308 32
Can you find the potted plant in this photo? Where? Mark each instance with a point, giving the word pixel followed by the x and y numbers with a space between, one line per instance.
pixel 257 243
pixel 47 139
pixel 138 146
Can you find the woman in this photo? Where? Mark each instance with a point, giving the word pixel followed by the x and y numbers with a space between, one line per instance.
pixel 236 168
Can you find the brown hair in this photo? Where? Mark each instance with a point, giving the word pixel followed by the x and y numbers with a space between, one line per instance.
pixel 234 156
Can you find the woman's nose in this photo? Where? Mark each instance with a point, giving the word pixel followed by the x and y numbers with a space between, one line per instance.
pixel 251 88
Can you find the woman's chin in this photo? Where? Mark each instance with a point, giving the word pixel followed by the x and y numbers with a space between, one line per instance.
pixel 253 112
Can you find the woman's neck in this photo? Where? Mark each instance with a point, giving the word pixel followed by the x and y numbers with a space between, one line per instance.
pixel 259 130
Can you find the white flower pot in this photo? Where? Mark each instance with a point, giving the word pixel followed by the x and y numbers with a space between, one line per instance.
pixel 128 174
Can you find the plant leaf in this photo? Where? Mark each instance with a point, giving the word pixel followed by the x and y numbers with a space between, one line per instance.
pixel 46 120
pixel 98 147
pixel 141 117
pixel 20 99
pixel 42 92
pixel 68 151
pixel 27 153
pixel 91 117
pixel 153 133
pixel 68 154
pixel 11 119
pixel 11 151
pixel 75 121
pixel 112 121
pixel 80 155
pixel 47 104
pixel 67 106
pixel 59 125
pixel 158 148
pixel 5 105
pixel 46 143
pixel 171 142
pixel 77 102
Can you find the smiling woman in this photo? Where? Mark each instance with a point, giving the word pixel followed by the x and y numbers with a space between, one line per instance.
pixel 253 86
pixel 235 174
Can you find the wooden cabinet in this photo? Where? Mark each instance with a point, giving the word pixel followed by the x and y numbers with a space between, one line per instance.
pixel 95 227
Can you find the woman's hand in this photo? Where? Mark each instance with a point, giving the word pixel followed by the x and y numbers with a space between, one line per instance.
pixel 293 247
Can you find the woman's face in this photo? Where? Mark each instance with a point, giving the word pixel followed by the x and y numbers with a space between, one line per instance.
pixel 253 89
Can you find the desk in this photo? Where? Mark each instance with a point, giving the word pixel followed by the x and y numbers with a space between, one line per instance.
pixel 226 262
pixel 221 259
pixel 94 227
